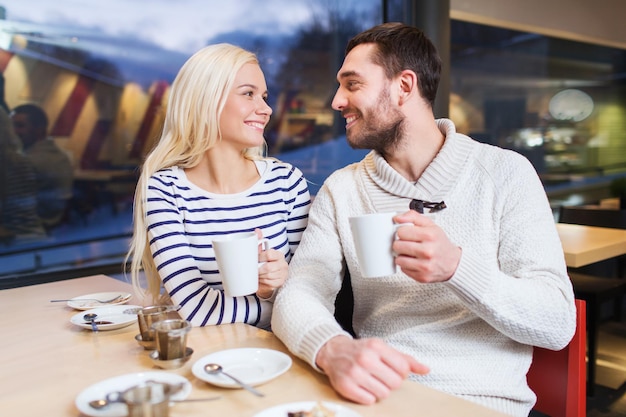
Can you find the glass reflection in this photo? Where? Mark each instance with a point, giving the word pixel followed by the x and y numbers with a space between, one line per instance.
pixel 101 73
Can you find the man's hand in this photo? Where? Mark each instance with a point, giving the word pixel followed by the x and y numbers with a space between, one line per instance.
pixel 424 251
pixel 365 370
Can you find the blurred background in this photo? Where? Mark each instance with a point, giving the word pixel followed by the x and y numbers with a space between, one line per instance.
pixel 544 78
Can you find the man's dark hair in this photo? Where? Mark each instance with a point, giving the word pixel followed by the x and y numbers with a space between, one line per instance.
pixel 36 116
pixel 401 47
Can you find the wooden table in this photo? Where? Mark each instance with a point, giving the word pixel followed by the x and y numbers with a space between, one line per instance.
pixel 610 203
pixel 604 204
pixel 584 245
pixel 47 362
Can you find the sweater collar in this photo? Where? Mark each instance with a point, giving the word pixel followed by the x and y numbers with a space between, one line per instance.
pixel 438 178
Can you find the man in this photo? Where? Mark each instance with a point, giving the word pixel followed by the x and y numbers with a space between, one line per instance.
pixel 18 192
pixel 52 166
pixel 479 286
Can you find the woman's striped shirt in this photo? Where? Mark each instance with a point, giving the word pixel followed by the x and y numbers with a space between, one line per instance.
pixel 182 220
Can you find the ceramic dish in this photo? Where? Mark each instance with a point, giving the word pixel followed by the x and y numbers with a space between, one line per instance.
pixel 121 383
pixel 88 301
pixel 114 317
pixel 253 366
pixel 283 409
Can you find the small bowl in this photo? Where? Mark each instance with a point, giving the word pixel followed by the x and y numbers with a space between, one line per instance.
pixel 147 344
pixel 171 363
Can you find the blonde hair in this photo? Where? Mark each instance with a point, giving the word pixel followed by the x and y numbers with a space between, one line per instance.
pixel 191 126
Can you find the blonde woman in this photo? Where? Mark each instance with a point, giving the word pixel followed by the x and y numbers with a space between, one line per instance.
pixel 207 177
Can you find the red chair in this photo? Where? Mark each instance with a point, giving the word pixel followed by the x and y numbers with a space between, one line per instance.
pixel 558 377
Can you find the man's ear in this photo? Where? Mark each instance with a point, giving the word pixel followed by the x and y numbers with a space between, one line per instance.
pixel 408 85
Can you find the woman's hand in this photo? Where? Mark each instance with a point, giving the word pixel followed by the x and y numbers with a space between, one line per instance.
pixel 273 273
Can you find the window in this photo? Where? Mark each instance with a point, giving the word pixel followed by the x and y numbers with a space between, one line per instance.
pixel 558 102
pixel 101 73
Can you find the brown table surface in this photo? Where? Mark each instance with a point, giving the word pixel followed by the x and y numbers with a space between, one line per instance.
pixel 584 245
pixel 605 204
pixel 47 362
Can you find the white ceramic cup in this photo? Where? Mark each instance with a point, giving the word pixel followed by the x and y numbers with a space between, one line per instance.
pixel 373 236
pixel 237 258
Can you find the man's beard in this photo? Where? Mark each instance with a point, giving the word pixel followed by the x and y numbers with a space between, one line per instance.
pixel 382 128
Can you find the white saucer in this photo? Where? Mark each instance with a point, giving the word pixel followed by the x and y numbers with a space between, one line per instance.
pixel 113 314
pixel 86 302
pixel 283 409
pixel 254 366
pixel 121 383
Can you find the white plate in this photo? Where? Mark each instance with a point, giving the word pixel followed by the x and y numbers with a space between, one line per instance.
pixel 283 409
pixel 120 383
pixel 114 314
pixel 85 302
pixel 252 365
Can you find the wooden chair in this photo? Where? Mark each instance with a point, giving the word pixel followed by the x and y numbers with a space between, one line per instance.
pixel 558 377
pixel 595 290
pixel 593 216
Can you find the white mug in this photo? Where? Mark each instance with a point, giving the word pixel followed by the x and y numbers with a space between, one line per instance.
pixel 237 259
pixel 373 236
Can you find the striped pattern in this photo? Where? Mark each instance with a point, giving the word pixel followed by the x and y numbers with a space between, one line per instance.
pixel 98 121
pixel 182 219
pixel 151 114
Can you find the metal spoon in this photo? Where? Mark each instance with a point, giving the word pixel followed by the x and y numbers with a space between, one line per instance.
pixel 112 300
pixel 91 317
pixel 103 402
pixel 213 369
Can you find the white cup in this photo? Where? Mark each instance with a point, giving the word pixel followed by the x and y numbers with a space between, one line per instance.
pixel 237 258
pixel 373 236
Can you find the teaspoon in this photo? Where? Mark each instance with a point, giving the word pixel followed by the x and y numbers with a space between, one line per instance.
pixel 213 369
pixel 91 317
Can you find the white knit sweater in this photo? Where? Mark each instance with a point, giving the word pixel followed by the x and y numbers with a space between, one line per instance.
pixel 476 331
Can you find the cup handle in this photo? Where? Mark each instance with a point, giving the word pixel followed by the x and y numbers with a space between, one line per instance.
pixel 399 225
pixel 265 242
pixel 395 236
pixel 396 227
